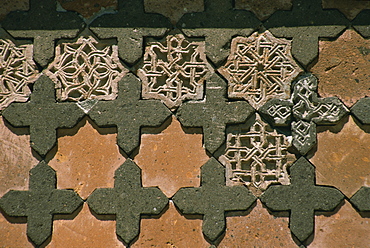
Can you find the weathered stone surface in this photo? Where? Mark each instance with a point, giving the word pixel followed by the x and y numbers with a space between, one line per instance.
pixel 260 68
pixel 304 110
pixel 174 71
pixel 256 155
pixel 17 71
pixel 86 160
pixel 361 199
pixel 213 113
pixel 171 230
pixel 361 110
pixel 88 8
pixel 40 202
pixel 129 40
pixel 128 113
pixel 12 5
pixel 43 42
pixel 174 9
pixel 350 8
pixel 84 231
pixel 302 198
pixel 212 199
pixel 342 157
pixel 13 234
pixel 86 69
pixel 171 159
pixel 43 115
pixel 257 229
pixel 127 200
pixel 263 9
pixel 346 228
pixel 342 67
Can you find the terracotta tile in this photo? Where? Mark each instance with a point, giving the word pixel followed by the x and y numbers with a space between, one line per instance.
pixel 16 160
pixel 263 9
pixel 257 229
pixel 173 9
pixel 342 67
pixel 88 8
pixel 342 158
pixel 86 160
pixel 344 229
pixel 350 8
pixel 171 230
pixel 85 230
pixel 12 5
pixel 171 159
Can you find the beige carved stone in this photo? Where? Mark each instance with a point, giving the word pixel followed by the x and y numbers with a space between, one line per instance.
pixel 256 155
pixel 17 70
pixel 86 69
pixel 174 71
pixel 260 68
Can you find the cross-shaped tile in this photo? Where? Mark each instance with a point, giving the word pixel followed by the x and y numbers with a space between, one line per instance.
pixel 214 113
pixel 218 23
pixel 128 200
pixel 305 24
pixel 43 115
pixel 302 198
pixel 40 202
pixel 44 25
pixel 128 113
pixel 361 199
pixel 212 199
pixel 130 24
pixel 306 109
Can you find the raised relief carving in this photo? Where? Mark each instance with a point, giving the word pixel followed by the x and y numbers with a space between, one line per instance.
pixel 174 71
pixel 86 69
pixel 256 155
pixel 260 68
pixel 17 70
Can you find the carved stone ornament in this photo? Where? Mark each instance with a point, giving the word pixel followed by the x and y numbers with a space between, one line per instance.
pixel 256 155
pixel 260 68
pixel 174 71
pixel 17 70
pixel 85 70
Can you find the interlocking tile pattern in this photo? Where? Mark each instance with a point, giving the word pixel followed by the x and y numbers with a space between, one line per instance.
pixel 220 123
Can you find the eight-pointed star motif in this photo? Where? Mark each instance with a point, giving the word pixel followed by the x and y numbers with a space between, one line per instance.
pixel 260 68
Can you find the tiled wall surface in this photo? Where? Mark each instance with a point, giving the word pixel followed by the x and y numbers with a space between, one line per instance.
pixel 215 123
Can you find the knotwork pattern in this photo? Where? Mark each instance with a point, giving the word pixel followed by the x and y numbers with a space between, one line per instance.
pixel 260 68
pixel 256 155
pixel 174 71
pixel 17 70
pixel 86 69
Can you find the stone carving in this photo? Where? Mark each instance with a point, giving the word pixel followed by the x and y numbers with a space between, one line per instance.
pixel 304 110
pixel 260 68
pixel 174 71
pixel 86 70
pixel 256 155
pixel 17 70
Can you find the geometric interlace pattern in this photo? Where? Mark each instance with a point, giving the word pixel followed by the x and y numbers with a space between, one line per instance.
pixel 17 71
pixel 256 155
pixel 259 68
pixel 85 70
pixel 174 71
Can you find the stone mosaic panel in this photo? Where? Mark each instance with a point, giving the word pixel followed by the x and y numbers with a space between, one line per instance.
pixel 174 71
pixel 86 69
pixel 17 71
pixel 259 68
pixel 256 155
